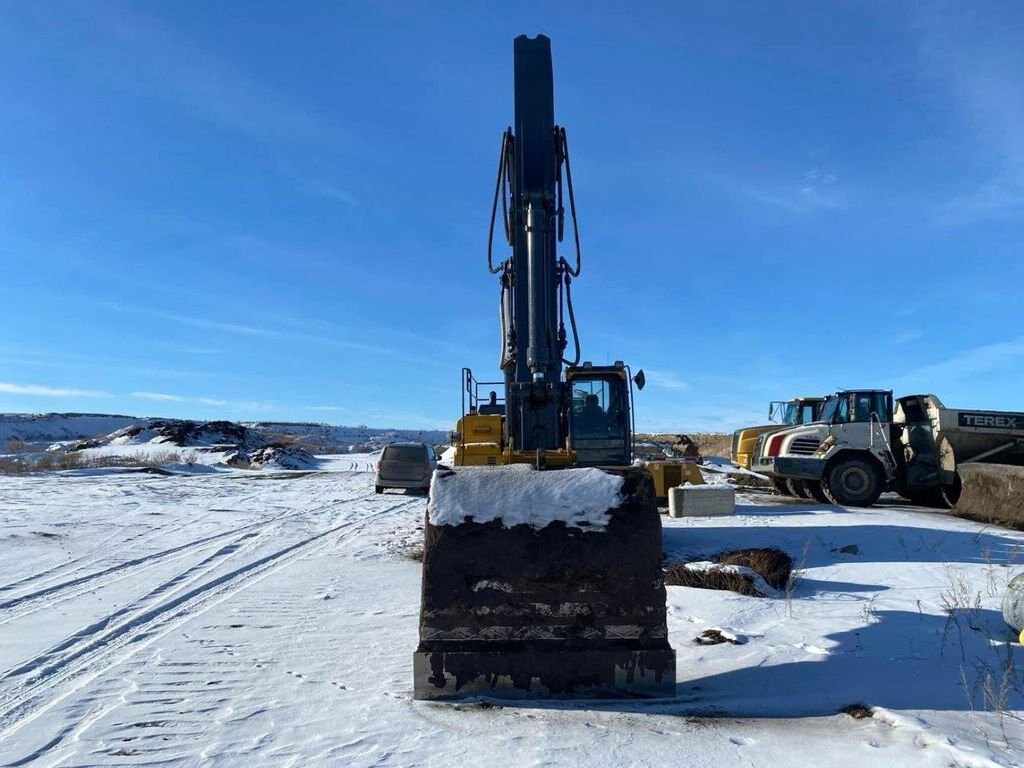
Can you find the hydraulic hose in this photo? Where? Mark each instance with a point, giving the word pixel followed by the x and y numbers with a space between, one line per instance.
pixel 572 316
pixel 564 146
pixel 501 189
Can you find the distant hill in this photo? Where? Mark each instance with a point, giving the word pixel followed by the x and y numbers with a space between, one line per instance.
pixel 51 427
pixel 39 430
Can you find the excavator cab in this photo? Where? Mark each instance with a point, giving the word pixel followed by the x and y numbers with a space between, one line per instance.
pixel 600 430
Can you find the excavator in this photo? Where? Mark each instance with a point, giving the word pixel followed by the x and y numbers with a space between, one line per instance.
pixel 542 553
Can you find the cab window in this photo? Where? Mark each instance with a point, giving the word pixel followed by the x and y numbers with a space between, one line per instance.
pixel 599 408
pixel 870 406
pixel 590 401
pixel 843 410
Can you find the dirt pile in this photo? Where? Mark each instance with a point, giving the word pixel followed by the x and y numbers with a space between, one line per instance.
pixel 661 443
pixel 992 493
pixel 272 457
pixel 190 434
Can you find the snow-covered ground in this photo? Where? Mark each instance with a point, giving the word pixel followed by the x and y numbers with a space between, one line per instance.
pixel 269 618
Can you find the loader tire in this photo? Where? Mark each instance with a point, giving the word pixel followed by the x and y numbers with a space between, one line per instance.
pixel 816 491
pixel 797 488
pixel 852 482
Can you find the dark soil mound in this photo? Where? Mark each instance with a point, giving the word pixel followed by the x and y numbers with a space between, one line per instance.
pixel 770 563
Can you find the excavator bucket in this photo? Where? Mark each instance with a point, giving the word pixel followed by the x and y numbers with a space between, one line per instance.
pixel 993 493
pixel 541 584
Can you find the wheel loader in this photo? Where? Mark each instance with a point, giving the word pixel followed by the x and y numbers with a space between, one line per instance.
pixel 542 555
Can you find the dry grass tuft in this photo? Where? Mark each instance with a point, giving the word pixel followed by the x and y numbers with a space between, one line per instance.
pixel 715 637
pixel 858 711
pixel 771 563
pixel 678 575
pixel 50 462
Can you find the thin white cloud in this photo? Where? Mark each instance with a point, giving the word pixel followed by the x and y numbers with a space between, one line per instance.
pixel 214 325
pixel 205 83
pixel 980 68
pixel 335 193
pixel 325 408
pixel 666 380
pixel 159 396
pixel 47 391
pixel 813 190
pixel 293 336
pixel 907 336
pixel 972 363
pixel 211 401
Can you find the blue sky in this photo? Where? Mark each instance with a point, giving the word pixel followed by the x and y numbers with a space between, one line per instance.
pixel 256 210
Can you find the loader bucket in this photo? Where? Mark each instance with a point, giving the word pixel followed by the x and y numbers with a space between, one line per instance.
pixel 558 596
pixel 992 493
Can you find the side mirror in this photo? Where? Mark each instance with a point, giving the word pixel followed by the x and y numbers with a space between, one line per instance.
pixel 640 379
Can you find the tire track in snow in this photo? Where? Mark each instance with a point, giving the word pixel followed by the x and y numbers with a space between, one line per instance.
pixel 104 546
pixel 58 673
pixel 24 605
pixel 91 558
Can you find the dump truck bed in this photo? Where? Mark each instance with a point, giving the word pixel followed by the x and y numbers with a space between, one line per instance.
pixel 970 434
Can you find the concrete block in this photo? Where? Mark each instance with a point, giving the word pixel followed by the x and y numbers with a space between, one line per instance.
pixel 702 501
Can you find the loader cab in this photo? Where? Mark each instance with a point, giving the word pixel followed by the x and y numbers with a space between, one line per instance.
pixel 600 428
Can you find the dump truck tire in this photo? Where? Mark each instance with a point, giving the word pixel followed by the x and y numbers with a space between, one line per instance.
pixel 780 485
pixel 817 492
pixel 378 489
pixel 852 482
pixel 797 488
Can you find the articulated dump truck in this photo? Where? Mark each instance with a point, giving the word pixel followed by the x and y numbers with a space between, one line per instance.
pixel 781 414
pixel 542 556
pixel 864 444
pixel 789 413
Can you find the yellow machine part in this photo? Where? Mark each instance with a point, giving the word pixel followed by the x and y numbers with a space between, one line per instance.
pixel 481 444
pixel 669 474
pixel 745 440
pixel 560 458
pixel 480 441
